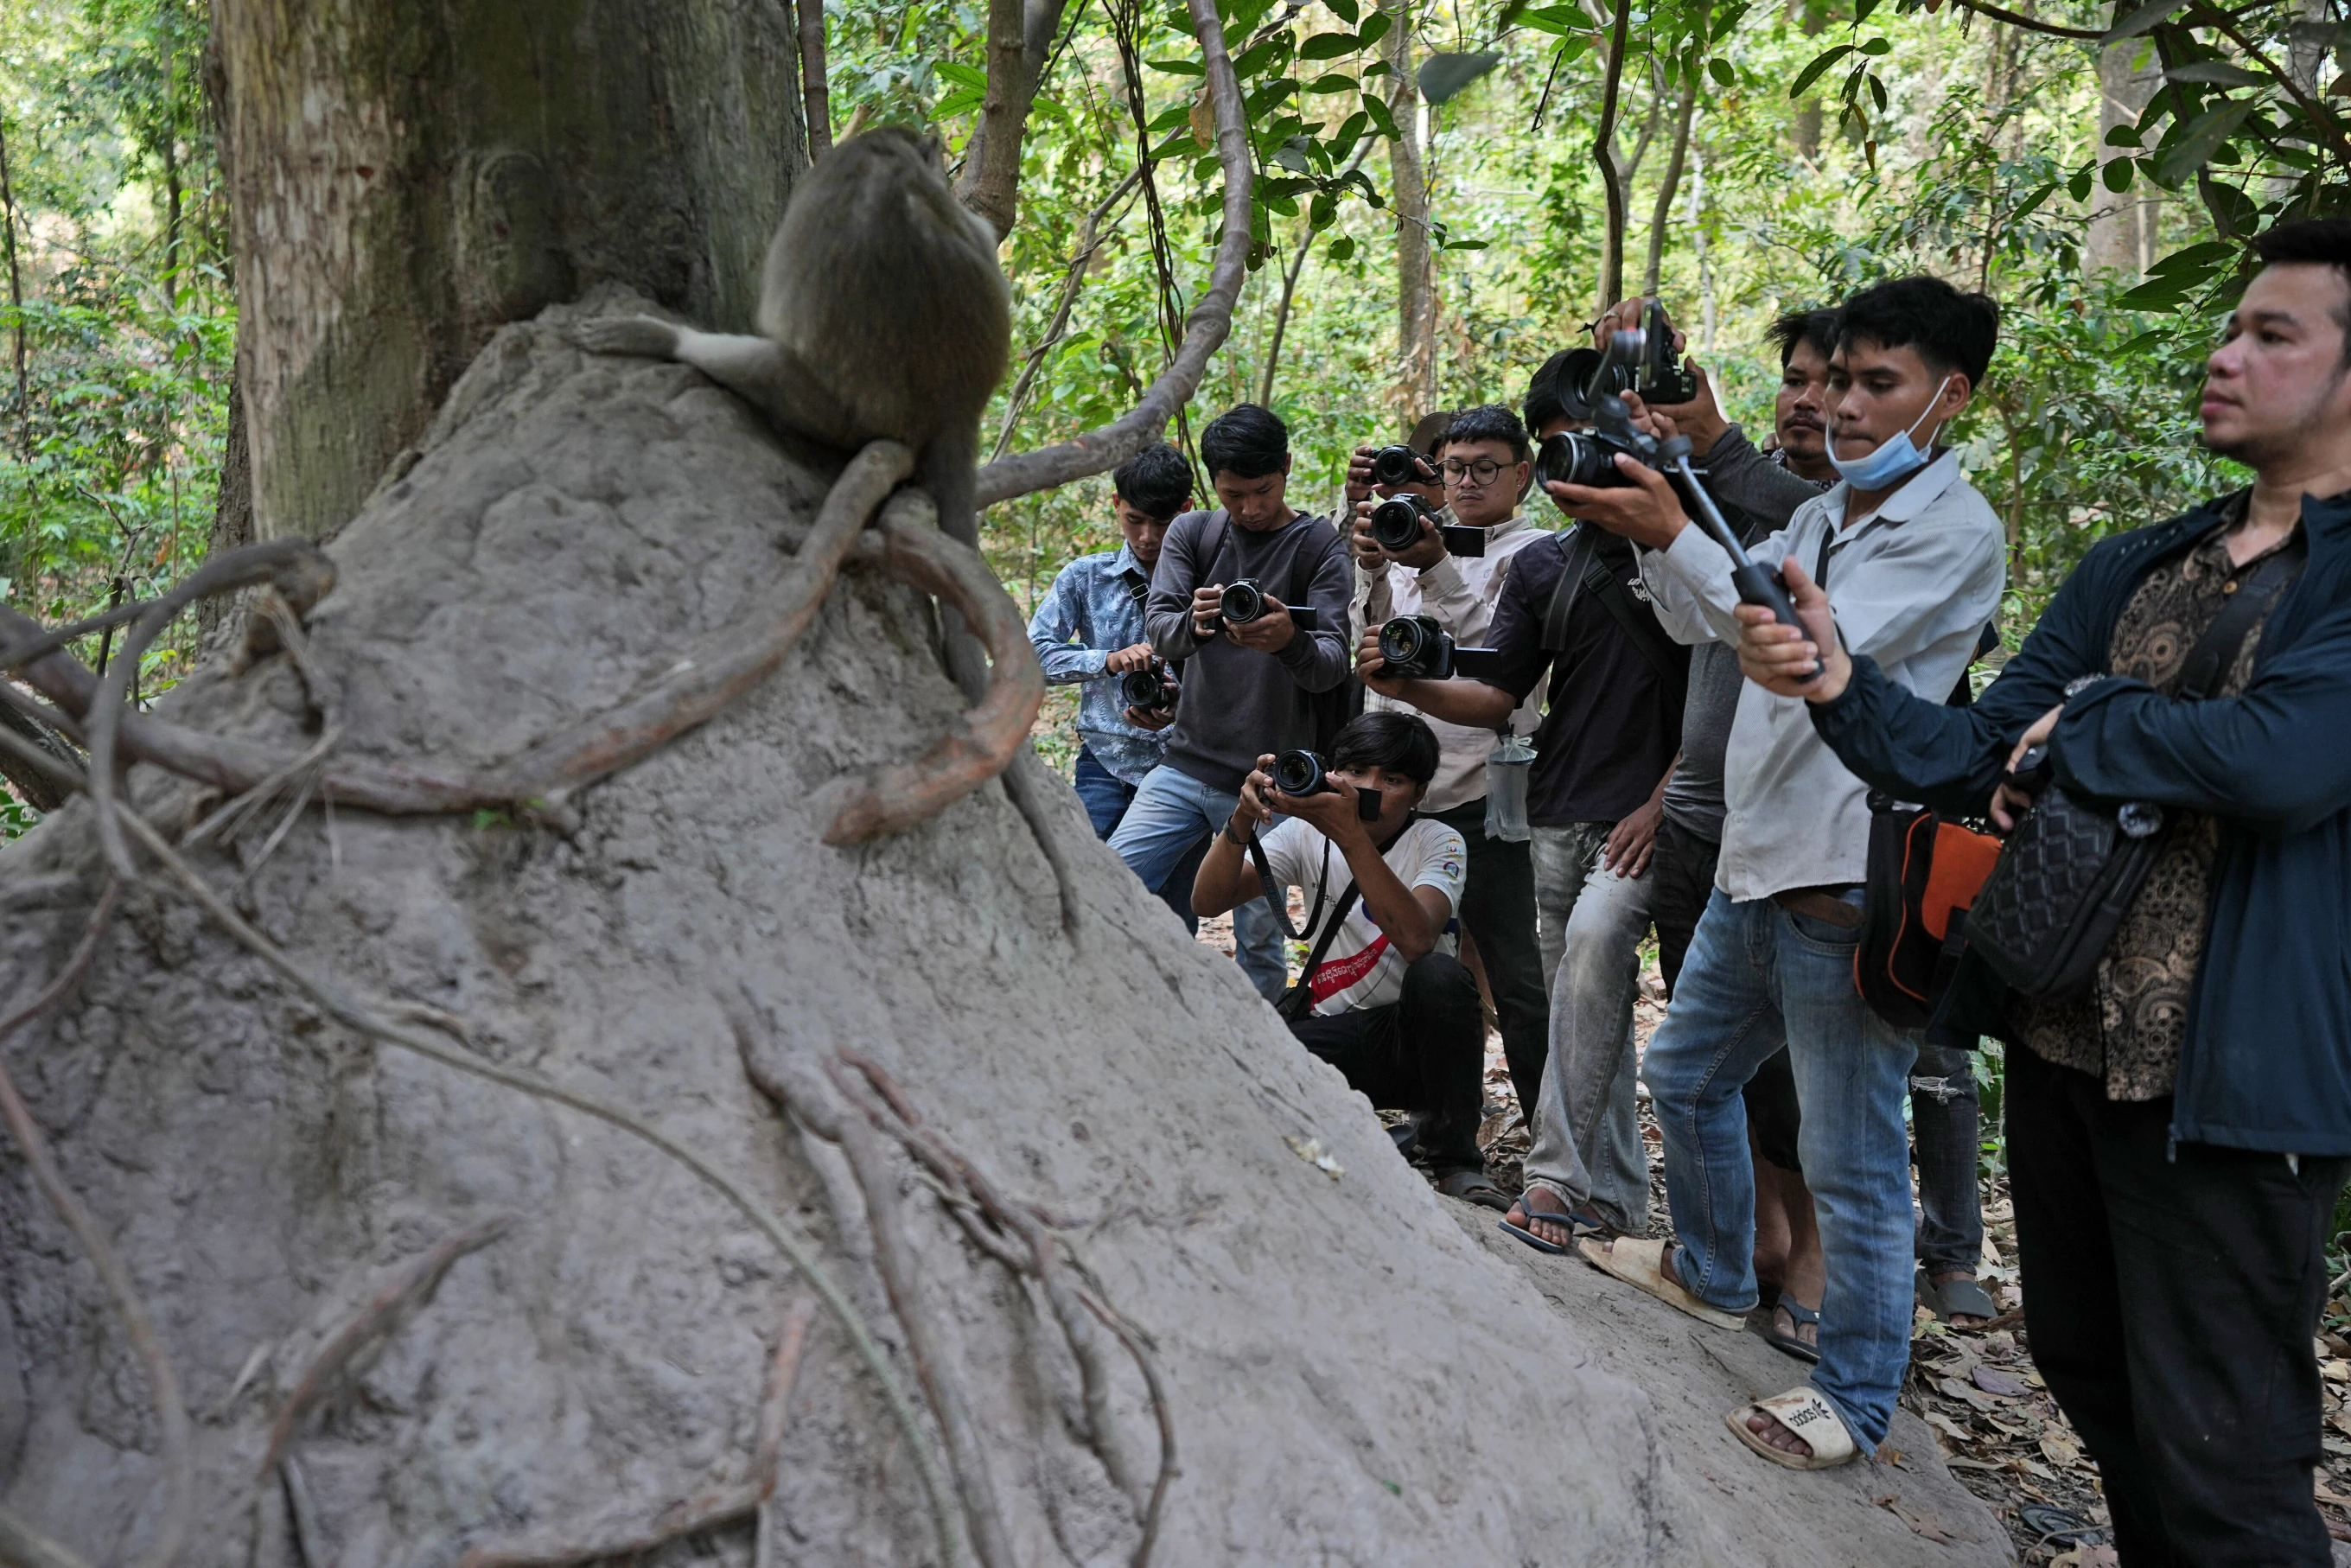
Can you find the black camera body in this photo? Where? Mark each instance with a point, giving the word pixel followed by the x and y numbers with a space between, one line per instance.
pixel 1396 528
pixel 1395 465
pixel 1417 647
pixel 1303 773
pixel 1244 602
pixel 1149 690
pixel 1589 376
pixel 1589 457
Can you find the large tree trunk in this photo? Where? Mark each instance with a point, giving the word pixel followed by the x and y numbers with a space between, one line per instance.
pixel 405 179
pixel 1348 1378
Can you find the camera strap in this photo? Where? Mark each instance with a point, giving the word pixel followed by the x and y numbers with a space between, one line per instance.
pixel 1582 570
pixel 1277 899
pixel 1575 548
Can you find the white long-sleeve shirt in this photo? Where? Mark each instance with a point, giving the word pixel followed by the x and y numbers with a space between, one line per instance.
pixel 1912 584
pixel 1459 593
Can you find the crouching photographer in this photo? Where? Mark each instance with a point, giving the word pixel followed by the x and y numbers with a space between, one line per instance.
pixel 1383 999
pixel 2179 1107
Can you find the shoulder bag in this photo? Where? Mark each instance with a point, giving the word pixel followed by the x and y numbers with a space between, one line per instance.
pixel 2068 873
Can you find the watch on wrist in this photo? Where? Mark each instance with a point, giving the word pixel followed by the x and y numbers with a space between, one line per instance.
pixel 1239 840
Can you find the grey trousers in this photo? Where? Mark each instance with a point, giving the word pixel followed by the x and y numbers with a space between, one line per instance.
pixel 1587 1131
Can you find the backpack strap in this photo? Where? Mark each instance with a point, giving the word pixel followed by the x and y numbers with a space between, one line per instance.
pixel 2215 653
pixel 1642 627
pixel 1575 550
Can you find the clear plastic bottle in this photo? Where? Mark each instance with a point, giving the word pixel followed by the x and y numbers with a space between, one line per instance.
pixel 1507 768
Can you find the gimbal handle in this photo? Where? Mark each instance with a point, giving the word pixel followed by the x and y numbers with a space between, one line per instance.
pixel 1755 584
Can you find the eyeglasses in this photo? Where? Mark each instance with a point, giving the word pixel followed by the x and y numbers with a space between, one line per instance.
pixel 1483 470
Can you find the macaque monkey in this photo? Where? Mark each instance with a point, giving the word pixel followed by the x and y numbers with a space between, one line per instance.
pixel 882 313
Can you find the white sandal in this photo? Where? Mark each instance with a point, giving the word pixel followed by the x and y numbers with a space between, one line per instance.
pixel 1803 1412
pixel 1639 1261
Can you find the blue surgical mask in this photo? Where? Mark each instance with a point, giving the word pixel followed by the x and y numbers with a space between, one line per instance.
pixel 1895 458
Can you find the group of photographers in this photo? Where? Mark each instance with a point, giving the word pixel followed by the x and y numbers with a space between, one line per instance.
pixel 1718 704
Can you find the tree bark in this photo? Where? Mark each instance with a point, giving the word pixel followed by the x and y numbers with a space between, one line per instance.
pixel 1415 379
pixel 405 180
pixel 1603 152
pixel 15 298
pixel 2122 228
pixel 1020 39
pixel 1805 127
pixel 1685 111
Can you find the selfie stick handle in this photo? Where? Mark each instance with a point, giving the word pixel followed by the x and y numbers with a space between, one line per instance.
pixel 1755 584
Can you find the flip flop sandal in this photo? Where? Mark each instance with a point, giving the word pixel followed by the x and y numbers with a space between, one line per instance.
pixel 1578 1226
pixel 1640 1263
pixel 2059 1526
pixel 1472 1186
pixel 1794 1343
pixel 1955 1298
pixel 1803 1412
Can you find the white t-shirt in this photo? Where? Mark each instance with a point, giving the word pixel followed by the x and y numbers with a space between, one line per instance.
pixel 1361 970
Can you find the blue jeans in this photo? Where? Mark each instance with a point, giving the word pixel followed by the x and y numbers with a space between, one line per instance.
pixel 1172 814
pixel 1104 794
pixel 1758 977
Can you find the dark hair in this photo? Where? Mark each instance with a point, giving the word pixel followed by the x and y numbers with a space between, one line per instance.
pixel 1399 742
pixel 1543 404
pixel 1489 422
pixel 1155 481
pixel 1951 332
pixel 2315 242
pixel 1245 441
pixel 1818 328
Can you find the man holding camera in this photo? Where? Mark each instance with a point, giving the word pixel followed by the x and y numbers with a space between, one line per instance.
pixel 2178 1135
pixel 1221 603
pixel 1484 470
pixel 1567 617
pixel 1916 563
pixel 1384 1000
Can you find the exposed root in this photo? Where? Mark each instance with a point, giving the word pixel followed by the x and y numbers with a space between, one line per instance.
pixel 163 1382
pixel 351 1013
pixel 382 1316
pixel 709 677
pixel 719 1506
pixel 896 795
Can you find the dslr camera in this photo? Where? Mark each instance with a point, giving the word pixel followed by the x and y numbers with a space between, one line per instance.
pixel 1396 528
pixel 1648 369
pixel 1397 465
pixel 1417 647
pixel 1149 690
pixel 1589 457
pixel 1244 602
pixel 1302 773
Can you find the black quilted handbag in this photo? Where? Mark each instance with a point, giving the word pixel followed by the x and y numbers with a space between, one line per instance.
pixel 2067 875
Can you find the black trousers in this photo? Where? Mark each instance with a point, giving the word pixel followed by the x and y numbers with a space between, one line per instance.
pixel 1498 910
pixel 2170 1296
pixel 1425 1051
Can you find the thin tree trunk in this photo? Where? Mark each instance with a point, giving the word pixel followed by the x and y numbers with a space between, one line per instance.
pixel 372 261
pixel 17 301
pixel 1663 213
pixel 816 89
pixel 1805 128
pixel 1698 245
pixel 1416 382
pixel 1603 152
pixel 1282 319
pixel 1630 168
pixel 1020 40
pixel 2116 222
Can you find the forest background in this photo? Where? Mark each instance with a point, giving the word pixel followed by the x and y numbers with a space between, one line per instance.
pixel 1436 187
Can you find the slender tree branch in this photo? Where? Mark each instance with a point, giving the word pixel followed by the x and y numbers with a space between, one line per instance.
pixel 1684 112
pixel 2317 114
pixel 2030 23
pixel 1211 321
pixel 1088 242
pixel 1603 152
pixel 816 89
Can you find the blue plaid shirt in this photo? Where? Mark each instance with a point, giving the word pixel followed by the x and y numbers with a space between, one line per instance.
pixel 1093 610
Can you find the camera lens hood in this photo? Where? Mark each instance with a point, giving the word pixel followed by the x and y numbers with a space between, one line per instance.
pixel 1396 464
pixel 1298 773
pixel 1396 524
pixel 1241 602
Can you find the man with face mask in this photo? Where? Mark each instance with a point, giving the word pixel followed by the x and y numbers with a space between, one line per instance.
pixel 2177 1136
pixel 1914 561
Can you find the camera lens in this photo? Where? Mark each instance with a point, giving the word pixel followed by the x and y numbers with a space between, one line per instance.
pixel 1298 773
pixel 1393 465
pixel 1569 458
pixel 1140 688
pixel 1396 525
pixel 1402 641
pixel 1241 602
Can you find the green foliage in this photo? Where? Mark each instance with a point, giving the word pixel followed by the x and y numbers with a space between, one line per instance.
pixel 115 303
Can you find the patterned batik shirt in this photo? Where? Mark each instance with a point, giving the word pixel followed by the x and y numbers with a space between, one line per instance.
pixel 1094 608
pixel 2127 1029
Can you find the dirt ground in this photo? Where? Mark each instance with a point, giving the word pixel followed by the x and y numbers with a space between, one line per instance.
pixel 2000 1432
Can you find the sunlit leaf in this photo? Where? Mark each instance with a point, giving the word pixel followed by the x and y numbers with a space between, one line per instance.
pixel 961 75
pixel 1812 73
pixel 1719 70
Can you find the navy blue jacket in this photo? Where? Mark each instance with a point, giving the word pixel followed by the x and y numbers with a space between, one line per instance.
pixel 2266 1063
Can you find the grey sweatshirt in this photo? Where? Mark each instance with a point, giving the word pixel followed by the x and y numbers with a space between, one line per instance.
pixel 1239 704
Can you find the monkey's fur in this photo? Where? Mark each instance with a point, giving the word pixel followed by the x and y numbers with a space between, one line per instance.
pixel 882 313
